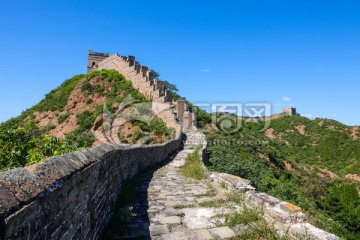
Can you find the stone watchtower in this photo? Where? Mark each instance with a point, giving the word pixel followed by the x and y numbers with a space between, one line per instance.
pixel 289 111
pixel 94 58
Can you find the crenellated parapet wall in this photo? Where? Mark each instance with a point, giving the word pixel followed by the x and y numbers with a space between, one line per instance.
pixel 152 88
pixel 186 117
pixel 140 76
pixel 94 58
pixel 70 196
pixel 284 216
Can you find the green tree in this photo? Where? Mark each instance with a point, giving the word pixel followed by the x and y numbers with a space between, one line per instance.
pixel 156 74
pixel 343 204
pixel 170 86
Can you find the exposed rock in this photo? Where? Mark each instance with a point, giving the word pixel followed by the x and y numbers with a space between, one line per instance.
pixel 355 133
pixel 301 129
pixel 270 133
pixel 354 177
pixel 156 230
pixel 222 233
pixel 324 173
pixel 170 220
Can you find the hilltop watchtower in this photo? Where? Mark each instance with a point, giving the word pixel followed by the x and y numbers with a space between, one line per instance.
pixel 289 111
pixel 94 58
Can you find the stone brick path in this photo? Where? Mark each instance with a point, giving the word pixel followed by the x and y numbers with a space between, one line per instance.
pixel 171 208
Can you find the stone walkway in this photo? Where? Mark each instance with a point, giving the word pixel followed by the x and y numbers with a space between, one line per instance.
pixel 175 207
pixel 168 206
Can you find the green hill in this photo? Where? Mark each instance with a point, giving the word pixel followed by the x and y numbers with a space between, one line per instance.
pixel 311 163
pixel 64 121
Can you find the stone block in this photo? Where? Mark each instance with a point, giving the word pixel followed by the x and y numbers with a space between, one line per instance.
pixel 241 229
pixel 283 227
pixel 308 231
pixel 23 184
pixel 174 235
pixel 156 230
pixel 8 200
pixel 170 220
pixel 278 214
pixel 202 234
pixel 222 233
pixel 290 208
pixel 21 218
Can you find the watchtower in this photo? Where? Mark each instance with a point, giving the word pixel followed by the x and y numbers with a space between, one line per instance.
pixel 289 111
pixel 94 58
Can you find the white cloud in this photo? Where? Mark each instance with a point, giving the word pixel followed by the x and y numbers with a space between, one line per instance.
pixel 334 115
pixel 206 70
pixel 286 99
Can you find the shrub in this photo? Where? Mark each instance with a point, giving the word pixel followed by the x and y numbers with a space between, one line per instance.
pixel 63 117
pixel 20 147
pixel 246 216
pixel 57 98
pixel 87 87
pixel 159 128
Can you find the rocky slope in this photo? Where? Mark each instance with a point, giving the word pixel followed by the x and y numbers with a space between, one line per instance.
pixel 97 95
pixel 85 111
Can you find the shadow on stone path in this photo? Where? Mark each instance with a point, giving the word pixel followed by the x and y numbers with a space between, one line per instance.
pixel 168 205
pixel 131 219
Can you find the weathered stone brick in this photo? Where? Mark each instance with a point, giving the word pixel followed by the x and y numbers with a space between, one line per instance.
pixel 73 194
pixel 7 199
pixel 278 214
pixel 290 207
pixel 21 218
pixel 70 197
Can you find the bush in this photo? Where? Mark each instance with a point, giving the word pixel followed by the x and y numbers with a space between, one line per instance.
pixel 87 87
pixel 159 128
pixel 57 98
pixel 328 146
pixel 20 147
pixel 63 117
pixel 246 216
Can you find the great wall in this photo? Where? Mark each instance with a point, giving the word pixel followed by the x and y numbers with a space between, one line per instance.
pixel 70 196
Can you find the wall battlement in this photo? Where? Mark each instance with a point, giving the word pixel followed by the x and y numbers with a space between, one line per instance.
pixel 146 83
pixel 140 76
pixel 284 216
pixel 288 111
pixel 94 58
pixel 70 196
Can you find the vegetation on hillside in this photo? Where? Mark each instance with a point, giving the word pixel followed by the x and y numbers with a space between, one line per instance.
pixel 55 100
pixel 22 147
pixel 24 142
pixel 292 165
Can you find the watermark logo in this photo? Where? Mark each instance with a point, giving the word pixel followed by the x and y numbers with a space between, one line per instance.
pixel 259 113
pixel 225 117
pixel 113 126
pixel 230 117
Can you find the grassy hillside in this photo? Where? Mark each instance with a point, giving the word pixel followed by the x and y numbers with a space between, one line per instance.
pixel 306 162
pixel 63 120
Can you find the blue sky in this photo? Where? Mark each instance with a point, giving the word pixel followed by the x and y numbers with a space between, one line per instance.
pixel 289 53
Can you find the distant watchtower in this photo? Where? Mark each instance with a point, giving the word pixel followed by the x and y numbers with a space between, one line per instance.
pixel 289 111
pixel 94 58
